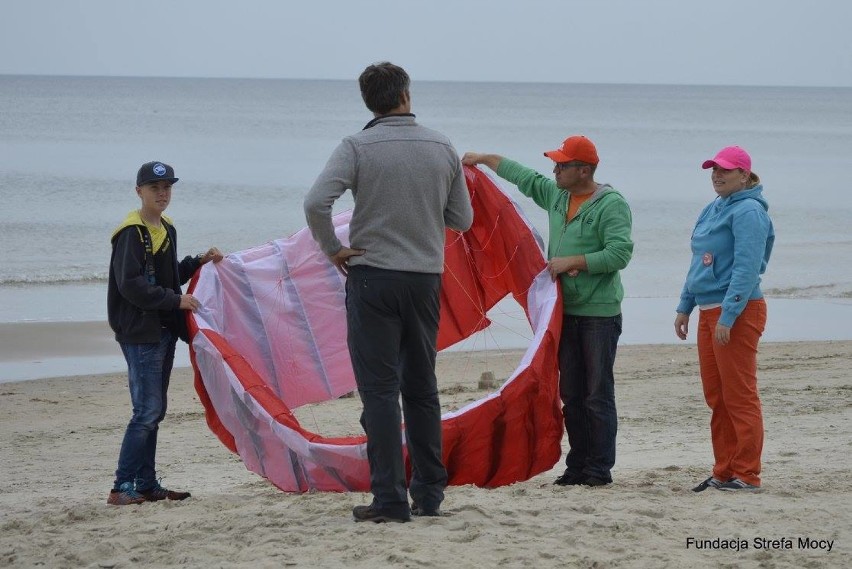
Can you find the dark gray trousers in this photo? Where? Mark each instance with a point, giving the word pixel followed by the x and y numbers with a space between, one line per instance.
pixel 392 320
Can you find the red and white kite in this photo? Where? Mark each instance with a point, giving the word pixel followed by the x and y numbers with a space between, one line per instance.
pixel 272 337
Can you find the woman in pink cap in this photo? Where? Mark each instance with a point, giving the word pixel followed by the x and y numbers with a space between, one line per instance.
pixel 731 245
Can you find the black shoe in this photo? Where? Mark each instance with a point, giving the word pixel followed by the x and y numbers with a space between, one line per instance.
pixel 158 493
pixel 368 514
pixel 423 512
pixel 709 483
pixel 595 481
pixel 569 479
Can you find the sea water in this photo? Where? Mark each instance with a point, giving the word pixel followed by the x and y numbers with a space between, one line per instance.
pixel 246 152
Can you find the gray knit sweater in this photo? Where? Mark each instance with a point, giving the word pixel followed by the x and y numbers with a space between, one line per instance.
pixel 408 186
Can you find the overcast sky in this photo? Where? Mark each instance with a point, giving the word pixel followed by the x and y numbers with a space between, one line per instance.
pixel 727 42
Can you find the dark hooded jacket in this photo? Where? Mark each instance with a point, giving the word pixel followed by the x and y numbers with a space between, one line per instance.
pixel 144 286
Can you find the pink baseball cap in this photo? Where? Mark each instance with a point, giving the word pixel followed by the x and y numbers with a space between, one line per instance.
pixel 730 158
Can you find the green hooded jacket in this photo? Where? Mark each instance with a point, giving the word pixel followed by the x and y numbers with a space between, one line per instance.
pixel 600 230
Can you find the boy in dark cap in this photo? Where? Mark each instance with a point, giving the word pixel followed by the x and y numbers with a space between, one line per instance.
pixel 144 305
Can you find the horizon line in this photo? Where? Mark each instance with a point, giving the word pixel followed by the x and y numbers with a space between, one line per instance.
pixel 485 81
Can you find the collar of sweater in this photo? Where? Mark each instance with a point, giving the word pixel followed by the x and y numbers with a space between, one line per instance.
pixel 388 118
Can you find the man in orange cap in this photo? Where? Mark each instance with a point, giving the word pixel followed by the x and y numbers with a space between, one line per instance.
pixel 589 243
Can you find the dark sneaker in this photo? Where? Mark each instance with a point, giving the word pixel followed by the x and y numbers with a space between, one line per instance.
pixel 368 514
pixel 595 481
pixel 709 483
pixel 570 479
pixel 158 493
pixel 737 484
pixel 125 496
pixel 423 512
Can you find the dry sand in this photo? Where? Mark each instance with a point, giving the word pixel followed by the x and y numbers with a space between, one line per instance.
pixel 59 442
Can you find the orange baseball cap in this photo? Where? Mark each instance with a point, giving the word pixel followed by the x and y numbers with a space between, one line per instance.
pixel 575 148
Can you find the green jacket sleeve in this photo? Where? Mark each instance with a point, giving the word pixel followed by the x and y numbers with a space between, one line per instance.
pixel 614 232
pixel 543 190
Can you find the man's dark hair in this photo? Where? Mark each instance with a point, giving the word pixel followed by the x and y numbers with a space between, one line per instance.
pixel 382 86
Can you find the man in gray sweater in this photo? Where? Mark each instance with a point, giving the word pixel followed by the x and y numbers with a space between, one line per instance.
pixel 408 186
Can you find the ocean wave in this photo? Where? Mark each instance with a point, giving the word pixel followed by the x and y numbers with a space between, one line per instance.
pixel 53 279
pixel 835 290
pixel 819 291
pixel 840 291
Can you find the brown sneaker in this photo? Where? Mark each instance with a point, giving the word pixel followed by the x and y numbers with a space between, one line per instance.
pixel 125 496
pixel 158 493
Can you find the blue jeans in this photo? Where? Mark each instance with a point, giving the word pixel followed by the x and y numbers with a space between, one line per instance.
pixel 149 368
pixel 587 389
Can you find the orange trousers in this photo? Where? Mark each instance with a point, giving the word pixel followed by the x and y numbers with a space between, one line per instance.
pixel 729 378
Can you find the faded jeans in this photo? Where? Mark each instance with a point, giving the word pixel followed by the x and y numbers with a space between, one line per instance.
pixel 149 368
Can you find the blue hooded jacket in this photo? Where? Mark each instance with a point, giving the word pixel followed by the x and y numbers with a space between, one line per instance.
pixel 731 245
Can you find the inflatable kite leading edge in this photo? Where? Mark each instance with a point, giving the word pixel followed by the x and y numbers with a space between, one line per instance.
pixel 271 336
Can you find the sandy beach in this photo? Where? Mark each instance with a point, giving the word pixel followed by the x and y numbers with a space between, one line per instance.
pixel 60 437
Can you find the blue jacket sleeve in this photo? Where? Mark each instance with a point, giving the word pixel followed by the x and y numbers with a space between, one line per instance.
pixel 751 230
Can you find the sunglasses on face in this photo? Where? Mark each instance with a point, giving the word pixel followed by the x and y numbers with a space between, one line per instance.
pixel 563 165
